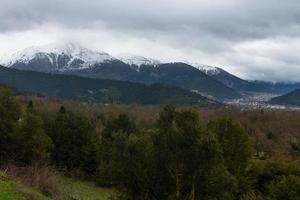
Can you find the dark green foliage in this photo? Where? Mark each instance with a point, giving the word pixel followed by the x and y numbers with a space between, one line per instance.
pixel 74 140
pixel 179 161
pixel 22 136
pixel 30 105
pixel 62 110
pixel 287 188
pixel 116 131
pixel 266 173
pixel 234 143
pixel 32 142
pixel 120 124
pixel 10 114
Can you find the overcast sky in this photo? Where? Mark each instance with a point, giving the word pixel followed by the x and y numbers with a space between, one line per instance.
pixel 255 39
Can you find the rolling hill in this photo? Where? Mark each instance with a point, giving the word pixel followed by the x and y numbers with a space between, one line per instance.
pixel 291 98
pixel 97 90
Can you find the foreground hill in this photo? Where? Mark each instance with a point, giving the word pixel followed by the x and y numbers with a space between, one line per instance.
pixel 292 98
pixel 97 90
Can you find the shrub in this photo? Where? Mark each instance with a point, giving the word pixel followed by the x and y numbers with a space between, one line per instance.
pixel 287 187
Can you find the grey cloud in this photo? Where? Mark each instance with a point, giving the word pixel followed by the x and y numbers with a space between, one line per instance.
pixel 211 30
pixel 230 19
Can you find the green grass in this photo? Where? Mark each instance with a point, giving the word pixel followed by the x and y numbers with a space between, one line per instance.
pixel 11 190
pixel 86 190
pixel 8 191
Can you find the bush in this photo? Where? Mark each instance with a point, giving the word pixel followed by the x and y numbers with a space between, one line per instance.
pixel 39 176
pixel 287 188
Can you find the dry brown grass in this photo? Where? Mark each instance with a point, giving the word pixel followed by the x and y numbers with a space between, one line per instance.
pixel 40 176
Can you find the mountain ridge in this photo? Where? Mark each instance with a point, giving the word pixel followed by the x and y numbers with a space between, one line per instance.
pixel 73 59
pixel 97 90
pixel 139 69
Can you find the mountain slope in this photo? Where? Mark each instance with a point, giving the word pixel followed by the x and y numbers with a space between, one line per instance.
pixel 173 74
pixel 277 88
pixel 231 80
pixel 244 86
pixel 292 98
pixel 76 60
pixel 188 77
pixel 97 90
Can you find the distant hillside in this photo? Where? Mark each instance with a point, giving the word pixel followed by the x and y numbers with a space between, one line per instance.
pixel 277 88
pixel 97 90
pixel 186 76
pixel 245 87
pixel 292 98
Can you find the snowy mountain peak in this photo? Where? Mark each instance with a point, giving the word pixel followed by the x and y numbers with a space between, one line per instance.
pixel 209 70
pixel 72 53
pixel 137 61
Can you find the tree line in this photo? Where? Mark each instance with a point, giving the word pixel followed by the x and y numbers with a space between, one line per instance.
pixel 179 158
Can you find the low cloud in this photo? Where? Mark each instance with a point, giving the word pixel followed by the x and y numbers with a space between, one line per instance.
pixel 257 39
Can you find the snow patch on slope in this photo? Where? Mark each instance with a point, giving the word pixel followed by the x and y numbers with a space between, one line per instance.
pixel 209 70
pixel 137 61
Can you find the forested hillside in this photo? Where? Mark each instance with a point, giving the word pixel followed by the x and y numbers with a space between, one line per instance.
pixel 291 98
pixel 180 155
pixel 97 90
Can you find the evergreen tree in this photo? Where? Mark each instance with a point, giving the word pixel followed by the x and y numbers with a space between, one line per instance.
pixel 33 143
pixel 74 138
pixel 10 114
pixel 120 124
pixel 234 143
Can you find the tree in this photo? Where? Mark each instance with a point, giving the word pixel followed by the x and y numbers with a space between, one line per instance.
pixel 234 143
pixel 120 124
pixel 33 143
pixel 74 138
pixel 179 161
pixel 10 113
pixel 116 130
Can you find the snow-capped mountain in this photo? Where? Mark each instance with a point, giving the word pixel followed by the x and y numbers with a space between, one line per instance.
pixel 137 61
pixel 56 57
pixel 70 58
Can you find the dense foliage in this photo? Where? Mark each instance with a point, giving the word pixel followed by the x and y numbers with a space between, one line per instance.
pixel 178 158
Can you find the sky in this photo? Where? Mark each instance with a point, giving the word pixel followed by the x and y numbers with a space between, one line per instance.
pixel 254 39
